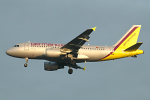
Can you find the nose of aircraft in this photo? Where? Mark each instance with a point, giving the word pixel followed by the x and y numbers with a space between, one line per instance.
pixel 8 52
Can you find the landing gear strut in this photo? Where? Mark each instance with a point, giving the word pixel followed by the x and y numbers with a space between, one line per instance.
pixel 70 71
pixel 25 65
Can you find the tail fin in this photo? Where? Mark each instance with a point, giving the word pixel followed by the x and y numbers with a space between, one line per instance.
pixel 129 39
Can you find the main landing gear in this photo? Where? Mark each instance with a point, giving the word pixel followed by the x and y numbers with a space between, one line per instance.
pixel 25 65
pixel 70 70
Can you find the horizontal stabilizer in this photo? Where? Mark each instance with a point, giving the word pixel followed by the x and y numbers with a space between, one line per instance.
pixel 134 47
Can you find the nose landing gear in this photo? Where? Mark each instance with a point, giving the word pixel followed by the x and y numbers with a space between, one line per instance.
pixel 25 65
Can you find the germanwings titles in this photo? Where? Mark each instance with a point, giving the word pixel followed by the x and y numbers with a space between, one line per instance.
pixel 60 55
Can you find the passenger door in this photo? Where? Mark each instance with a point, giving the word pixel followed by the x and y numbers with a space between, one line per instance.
pixel 26 46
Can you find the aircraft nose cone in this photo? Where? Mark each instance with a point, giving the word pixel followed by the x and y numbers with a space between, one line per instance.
pixel 8 52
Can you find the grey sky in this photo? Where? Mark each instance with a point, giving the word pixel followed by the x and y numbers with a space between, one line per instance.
pixel 59 21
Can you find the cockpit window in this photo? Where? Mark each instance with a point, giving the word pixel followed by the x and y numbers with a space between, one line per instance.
pixel 16 45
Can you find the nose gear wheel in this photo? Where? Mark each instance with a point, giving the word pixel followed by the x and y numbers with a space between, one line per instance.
pixel 25 65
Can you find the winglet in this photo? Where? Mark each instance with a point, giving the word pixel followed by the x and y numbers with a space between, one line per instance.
pixel 93 28
pixel 84 68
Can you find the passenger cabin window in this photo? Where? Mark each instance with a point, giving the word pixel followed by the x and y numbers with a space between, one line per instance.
pixel 16 45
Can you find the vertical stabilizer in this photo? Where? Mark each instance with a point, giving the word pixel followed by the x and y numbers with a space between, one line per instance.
pixel 129 39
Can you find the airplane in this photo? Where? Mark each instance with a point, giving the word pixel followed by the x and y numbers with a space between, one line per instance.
pixel 60 55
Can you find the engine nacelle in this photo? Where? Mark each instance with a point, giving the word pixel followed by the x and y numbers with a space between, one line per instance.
pixel 53 53
pixel 52 66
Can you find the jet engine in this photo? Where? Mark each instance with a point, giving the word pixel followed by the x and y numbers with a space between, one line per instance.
pixel 53 53
pixel 52 66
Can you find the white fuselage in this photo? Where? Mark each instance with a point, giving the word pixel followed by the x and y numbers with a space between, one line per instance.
pixel 41 51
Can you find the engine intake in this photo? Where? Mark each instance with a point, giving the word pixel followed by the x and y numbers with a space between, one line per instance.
pixel 52 66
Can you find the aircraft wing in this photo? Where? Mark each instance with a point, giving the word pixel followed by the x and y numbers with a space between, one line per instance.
pixel 74 45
